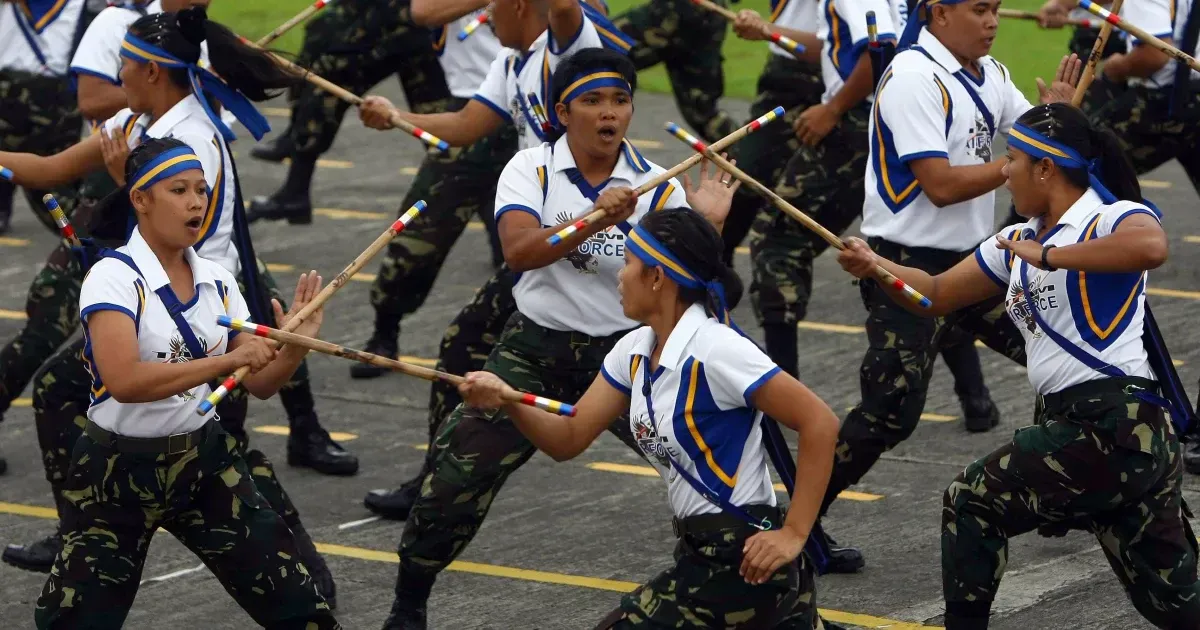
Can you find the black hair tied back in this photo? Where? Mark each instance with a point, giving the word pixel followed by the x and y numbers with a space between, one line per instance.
pixel 191 23
pixel 1068 125
pixel 698 245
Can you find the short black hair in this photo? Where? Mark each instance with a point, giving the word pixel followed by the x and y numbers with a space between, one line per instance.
pixel 587 61
pixel 698 245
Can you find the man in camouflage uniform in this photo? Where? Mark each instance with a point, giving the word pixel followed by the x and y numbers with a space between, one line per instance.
pixel 115 501
pixel 1082 461
pixel 355 44
pixel 687 39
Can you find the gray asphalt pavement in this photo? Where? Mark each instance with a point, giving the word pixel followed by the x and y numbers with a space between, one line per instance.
pixel 563 541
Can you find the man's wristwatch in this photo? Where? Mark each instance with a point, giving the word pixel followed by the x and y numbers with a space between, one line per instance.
pixel 1046 263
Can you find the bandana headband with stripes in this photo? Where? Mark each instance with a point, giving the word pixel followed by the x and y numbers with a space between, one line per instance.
pixel 165 165
pixel 653 253
pixel 1039 146
pixel 203 82
pixel 587 82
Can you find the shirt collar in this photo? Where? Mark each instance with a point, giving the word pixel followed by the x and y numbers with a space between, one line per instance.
pixel 674 350
pixel 938 51
pixel 182 110
pixel 1083 208
pixel 152 270
pixel 630 165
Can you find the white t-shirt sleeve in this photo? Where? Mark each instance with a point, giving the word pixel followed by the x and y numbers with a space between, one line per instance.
pixel 615 368
pixel 911 105
pixel 493 92
pixel 118 121
pixel 99 51
pixel 854 14
pixel 1153 16
pixel 522 185
pixel 735 368
pixel 996 263
pixel 1112 216
pixel 587 37
pixel 1015 106
pixel 110 286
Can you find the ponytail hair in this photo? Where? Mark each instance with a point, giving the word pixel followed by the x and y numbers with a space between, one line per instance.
pixel 698 245
pixel 1068 126
pixel 249 70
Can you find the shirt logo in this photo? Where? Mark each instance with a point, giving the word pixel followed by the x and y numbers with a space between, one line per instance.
pixel 1043 298
pixel 178 352
pixel 651 443
pixel 979 143
pixel 608 243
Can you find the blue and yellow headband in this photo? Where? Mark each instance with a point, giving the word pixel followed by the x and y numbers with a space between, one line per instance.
pixel 203 82
pixel 1039 146
pixel 653 253
pixel 918 19
pixel 586 82
pixel 165 165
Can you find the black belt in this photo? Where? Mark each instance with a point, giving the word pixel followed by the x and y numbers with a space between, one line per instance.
pixel 166 445
pixel 702 524
pixel 1062 400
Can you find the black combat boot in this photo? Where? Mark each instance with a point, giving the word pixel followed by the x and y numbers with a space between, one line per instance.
pixel 309 445
pixel 394 505
pixel 292 201
pixel 275 150
pixel 382 343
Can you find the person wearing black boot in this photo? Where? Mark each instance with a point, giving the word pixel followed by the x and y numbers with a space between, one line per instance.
pixel 355 44
pixel 7 191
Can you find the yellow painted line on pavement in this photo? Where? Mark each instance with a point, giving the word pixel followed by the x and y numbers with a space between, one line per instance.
pixel 276 111
pixel 1191 239
pixel 282 268
pixel 647 471
pixel 7 314
pixel 22 402
pixel 341 214
pixel 275 429
pixel 1175 293
pixel 514 573
pixel 832 328
pixel 8 241
pixel 742 250
pixel 408 170
pixel 1154 183
pixel 338 164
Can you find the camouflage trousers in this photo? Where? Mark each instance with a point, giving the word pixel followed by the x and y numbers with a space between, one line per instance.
pixel 704 589
pixel 475 451
pixel 895 372
pixel 457 185
pixel 39 115
pixel 1096 455
pixel 795 86
pixel 1150 133
pixel 826 183
pixel 687 40
pixel 358 44
pixel 467 344
pixel 205 497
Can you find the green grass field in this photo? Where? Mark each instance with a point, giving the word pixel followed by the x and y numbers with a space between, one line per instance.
pixel 1027 50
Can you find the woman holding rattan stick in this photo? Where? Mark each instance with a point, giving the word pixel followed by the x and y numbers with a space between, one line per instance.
pixel 1103 451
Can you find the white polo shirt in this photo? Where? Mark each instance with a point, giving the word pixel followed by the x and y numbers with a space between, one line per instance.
pixel 513 76
pixel 923 109
pixel 842 28
pixel 1101 313
pixel 99 52
pixel 703 417
pixel 466 63
pixel 1162 19
pixel 577 292
pixel 188 123
pixel 112 285
pixel 800 15
pixel 39 42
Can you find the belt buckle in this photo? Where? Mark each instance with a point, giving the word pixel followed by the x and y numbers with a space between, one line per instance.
pixel 178 443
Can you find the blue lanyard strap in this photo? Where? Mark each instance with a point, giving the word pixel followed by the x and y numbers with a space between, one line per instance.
pixel 983 109
pixel 700 487
pixel 175 308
